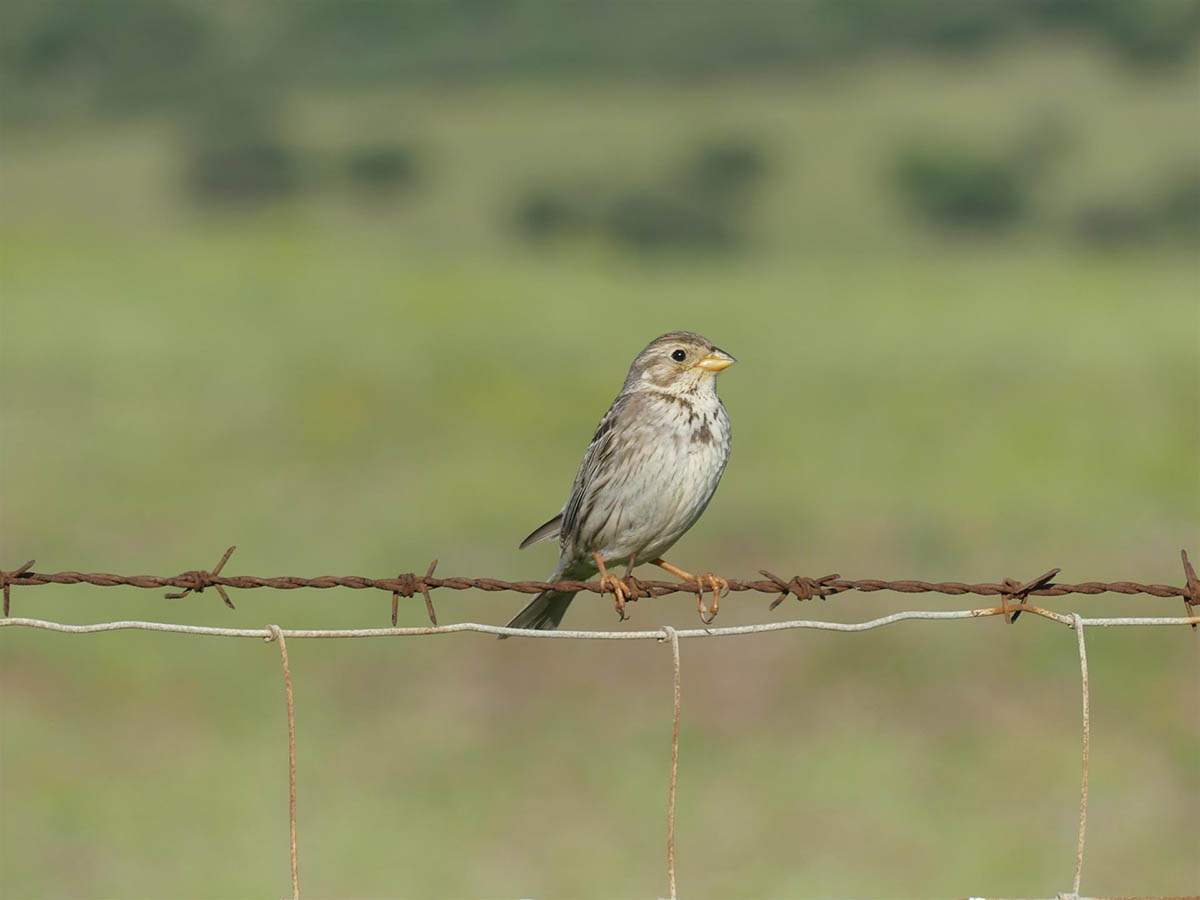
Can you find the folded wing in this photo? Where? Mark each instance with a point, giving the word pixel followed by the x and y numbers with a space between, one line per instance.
pixel 543 532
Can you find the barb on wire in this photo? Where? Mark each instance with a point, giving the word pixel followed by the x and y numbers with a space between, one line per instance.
pixel 7 579
pixel 1191 596
pixel 199 580
pixel 1019 591
pixel 407 585
pixel 802 587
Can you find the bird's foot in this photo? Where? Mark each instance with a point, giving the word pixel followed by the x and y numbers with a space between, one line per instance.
pixel 719 587
pixel 613 584
pixel 706 580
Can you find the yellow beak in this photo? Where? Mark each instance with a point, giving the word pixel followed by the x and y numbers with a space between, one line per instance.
pixel 716 361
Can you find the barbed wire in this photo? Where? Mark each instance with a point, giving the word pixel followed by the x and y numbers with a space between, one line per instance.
pixel 409 583
pixel 1014 596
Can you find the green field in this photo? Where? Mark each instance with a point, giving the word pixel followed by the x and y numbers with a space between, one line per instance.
pixel 339 388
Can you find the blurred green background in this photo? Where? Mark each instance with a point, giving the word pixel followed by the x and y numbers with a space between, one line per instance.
pixel 349 285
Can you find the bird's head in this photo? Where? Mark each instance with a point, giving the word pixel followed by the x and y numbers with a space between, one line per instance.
pixel 680 362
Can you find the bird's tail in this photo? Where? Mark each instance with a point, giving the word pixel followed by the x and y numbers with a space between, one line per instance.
pixel 544 612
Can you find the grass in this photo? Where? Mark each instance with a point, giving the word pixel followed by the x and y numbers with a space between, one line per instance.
pixel 347 390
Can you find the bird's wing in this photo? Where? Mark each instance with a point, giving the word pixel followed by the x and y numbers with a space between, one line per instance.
pixel 543 532
pixel 595 463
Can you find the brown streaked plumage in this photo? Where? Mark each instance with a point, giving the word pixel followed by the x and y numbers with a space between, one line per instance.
pixel 650 470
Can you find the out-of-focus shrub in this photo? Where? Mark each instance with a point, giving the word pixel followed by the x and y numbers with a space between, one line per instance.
pixel 956 186
pixel 243 172
pixel 382 168
pixel 961 27
pixel 726 168
pixel 648 220
pixel 1173 211
pixel 1150 31
pixel 1115 223
pixel 545 213
pixel 1155 32
pixel 236 153
pixel 119 54
pixel 699 204
pixel 126 52
pixel 1181 203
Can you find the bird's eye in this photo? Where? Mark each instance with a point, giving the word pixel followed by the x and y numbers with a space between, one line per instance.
pixel 679 356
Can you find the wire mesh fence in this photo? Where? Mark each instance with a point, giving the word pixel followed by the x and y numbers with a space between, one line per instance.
pixel 1014 596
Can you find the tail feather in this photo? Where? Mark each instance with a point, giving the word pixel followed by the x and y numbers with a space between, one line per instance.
pixel 544 612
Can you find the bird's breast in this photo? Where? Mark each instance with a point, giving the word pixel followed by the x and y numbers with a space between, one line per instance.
pixel 673 460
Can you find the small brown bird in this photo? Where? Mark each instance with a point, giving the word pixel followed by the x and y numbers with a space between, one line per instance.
pixel 649 472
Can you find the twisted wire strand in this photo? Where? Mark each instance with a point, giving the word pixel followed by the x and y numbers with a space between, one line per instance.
pixel 404 586
pixel 408 584
pixel 1014 601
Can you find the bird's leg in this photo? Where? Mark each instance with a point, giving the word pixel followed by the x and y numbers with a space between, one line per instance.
pixel 634 585
pixel 715 583
pixel 612 583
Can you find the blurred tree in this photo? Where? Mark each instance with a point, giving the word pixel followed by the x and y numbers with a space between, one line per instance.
pixel 957 186
pixel 700 204
pixel 133 53
pixel 243 172
pixel 237 153
pixel 1157 32
pixel 726 168
pixel 125 52
pixel 382 168
pixel 1181 203
pixel 1173 210
pixel 655 219
pixel 1115 223
pixel 545 213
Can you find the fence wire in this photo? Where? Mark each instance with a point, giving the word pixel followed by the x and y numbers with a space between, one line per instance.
pixel 407 584
pixel 1014 601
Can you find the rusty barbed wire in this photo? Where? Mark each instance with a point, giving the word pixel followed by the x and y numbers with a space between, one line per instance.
pixel 1011 591
pixel 7 578
pixel 200 580
pixel 1014 599
pixel 1191 596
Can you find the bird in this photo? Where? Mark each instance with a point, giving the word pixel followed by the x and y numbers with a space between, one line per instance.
pixel 648 474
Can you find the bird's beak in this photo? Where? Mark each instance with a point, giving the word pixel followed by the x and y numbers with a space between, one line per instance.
pixel 717 360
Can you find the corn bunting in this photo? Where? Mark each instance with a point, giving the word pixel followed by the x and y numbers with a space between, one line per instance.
pixel 649 472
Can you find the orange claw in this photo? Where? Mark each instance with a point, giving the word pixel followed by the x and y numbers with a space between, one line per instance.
pixel 612 583
pixel 719 587
pixel 714 583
